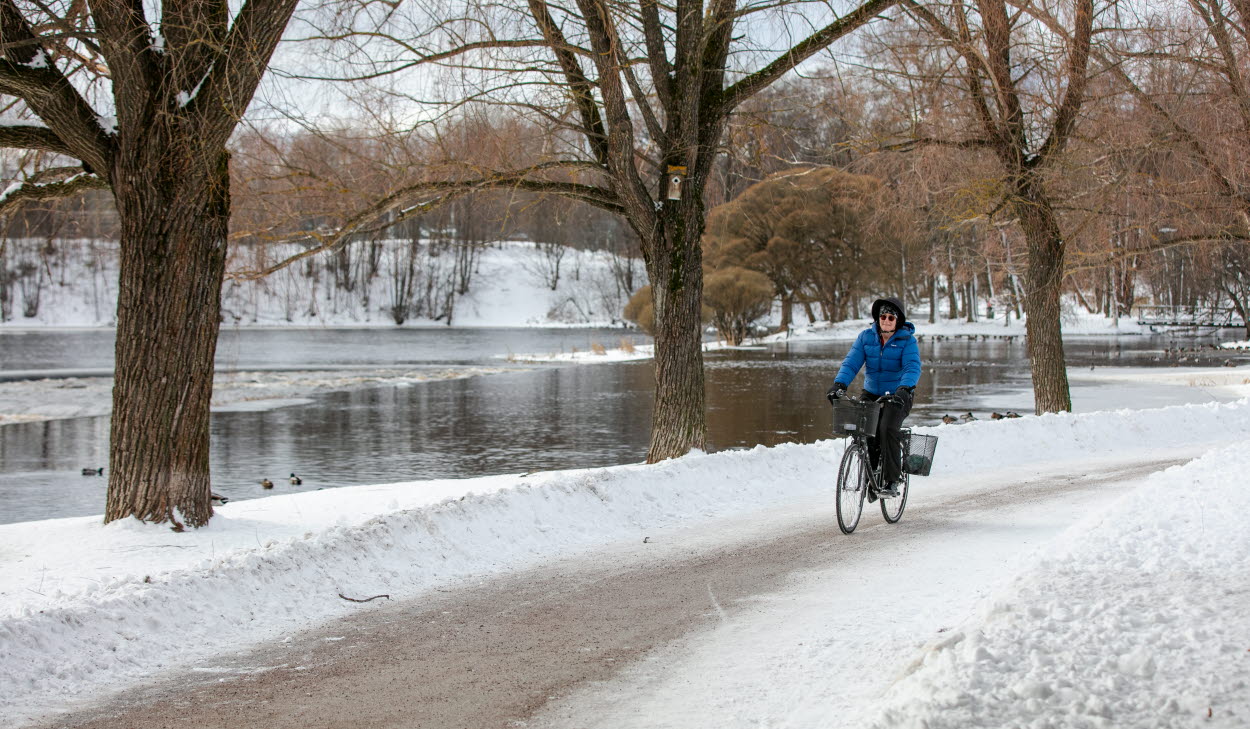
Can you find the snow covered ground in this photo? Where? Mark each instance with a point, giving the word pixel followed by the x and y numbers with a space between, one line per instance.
pixel 1137 614
pixel 1136 618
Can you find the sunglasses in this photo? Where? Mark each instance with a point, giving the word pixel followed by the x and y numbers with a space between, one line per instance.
pixel 888 317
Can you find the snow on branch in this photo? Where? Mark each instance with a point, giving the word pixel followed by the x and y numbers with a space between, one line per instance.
pixel 29 190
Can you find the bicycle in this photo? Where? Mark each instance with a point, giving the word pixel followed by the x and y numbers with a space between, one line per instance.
pixel 856 476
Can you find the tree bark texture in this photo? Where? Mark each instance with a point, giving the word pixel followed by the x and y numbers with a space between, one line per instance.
pixel 675 265
pixel 174 227
pixel 1043 286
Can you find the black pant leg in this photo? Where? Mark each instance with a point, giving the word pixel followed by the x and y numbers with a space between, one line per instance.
pixel 874 443
pixel 888 436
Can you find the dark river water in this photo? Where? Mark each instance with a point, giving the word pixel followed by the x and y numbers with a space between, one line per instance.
pixel 544 418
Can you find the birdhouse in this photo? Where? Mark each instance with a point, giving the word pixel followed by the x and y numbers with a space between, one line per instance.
pixel 676 176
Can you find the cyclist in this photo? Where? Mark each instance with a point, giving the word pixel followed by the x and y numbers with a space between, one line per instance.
pixel 891 360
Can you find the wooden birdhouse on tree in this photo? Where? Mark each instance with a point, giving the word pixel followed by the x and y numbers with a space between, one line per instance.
pixel 676 176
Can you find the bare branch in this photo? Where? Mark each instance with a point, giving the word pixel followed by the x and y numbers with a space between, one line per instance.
pixel 33 137
pixel 374 217
pixel 26 71
pixel 580 87
pixel 657 52
pixel 805 49
pixel 915 143
pixel 1103 258
pixel 1078 77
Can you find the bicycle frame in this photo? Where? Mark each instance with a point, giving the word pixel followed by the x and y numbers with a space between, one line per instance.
pixel 874 474
pixel 858 478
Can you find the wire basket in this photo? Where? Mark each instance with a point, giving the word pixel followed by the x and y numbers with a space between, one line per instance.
pixel 855 416
pixel 918 453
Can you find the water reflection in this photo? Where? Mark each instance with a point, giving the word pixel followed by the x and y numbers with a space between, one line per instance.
pixel 581 416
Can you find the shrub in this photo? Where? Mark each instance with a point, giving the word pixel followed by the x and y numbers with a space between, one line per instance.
pixel 641 310
pixel 737 297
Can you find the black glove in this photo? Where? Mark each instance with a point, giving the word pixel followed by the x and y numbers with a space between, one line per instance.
pixel 899 397
pixel 837 392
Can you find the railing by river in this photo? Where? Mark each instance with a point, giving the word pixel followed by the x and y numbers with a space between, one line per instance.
pixel 1193 316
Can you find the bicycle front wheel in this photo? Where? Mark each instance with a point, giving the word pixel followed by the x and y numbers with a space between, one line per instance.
pixel 852 486
pixel 892 507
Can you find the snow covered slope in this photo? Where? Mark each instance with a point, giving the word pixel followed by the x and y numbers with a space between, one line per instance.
pixel 510 286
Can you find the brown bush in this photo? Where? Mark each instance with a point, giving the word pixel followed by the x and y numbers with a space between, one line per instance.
pixel 737 298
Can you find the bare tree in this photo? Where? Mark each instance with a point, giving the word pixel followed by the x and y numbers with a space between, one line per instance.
pixel 640 93
pixel 167 97
pixel 1183 68
pixel 999 51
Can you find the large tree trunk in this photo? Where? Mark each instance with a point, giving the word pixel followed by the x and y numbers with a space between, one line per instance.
pixel 173 243
pixel 1043 284
pixel 679 420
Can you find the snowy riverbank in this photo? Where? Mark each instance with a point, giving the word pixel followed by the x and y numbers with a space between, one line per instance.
pixel 1076 322
pixel 507 283
pixel 87 608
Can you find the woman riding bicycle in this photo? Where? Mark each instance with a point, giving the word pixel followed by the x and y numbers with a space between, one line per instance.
pixel 888 349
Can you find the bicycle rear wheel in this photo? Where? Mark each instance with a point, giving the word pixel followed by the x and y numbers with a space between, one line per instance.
pixel 892 506
pixel 852 486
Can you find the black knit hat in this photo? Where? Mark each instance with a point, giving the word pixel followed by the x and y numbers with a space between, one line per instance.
pixel 889 305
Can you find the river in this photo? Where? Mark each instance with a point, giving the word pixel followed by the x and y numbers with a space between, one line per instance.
pixel 542 417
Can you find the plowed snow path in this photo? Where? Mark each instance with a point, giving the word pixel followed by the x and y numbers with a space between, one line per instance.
pixel 778 620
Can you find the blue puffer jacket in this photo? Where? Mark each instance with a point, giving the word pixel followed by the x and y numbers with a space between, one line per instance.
pixel 888 368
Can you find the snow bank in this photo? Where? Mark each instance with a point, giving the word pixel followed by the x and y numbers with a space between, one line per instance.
pixel 1139 620
pixel 85 607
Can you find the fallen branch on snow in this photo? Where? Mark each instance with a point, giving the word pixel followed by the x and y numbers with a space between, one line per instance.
pixel 367 599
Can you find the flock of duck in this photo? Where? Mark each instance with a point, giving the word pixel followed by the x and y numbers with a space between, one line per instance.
pixel 217 498
pixel 969 337
pixel 969 417
pixel 267 484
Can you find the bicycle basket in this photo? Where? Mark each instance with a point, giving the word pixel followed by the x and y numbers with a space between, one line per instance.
pixel 855 416
pixel 918 453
